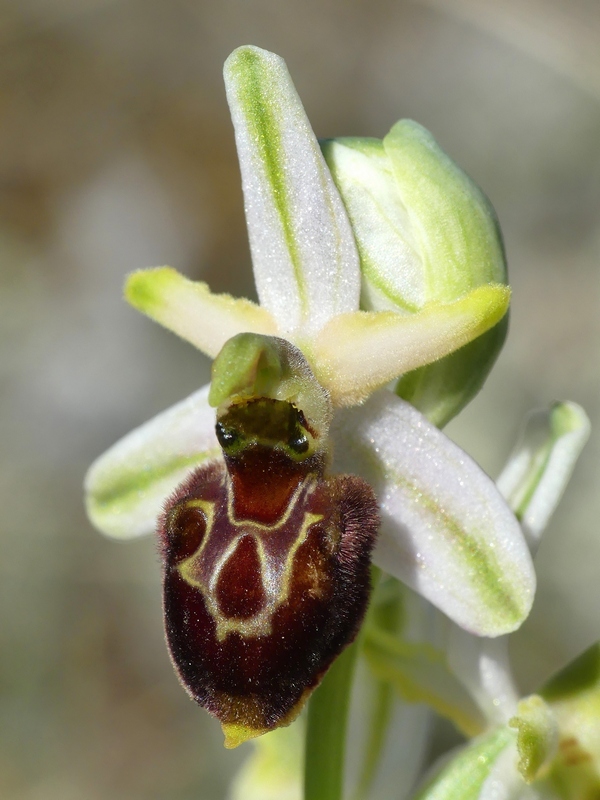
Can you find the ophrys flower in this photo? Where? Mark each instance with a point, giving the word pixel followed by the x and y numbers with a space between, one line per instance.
pixel 307 356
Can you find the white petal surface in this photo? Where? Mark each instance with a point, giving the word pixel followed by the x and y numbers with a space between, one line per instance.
pixel 189 309
pixel 306 265
pixel 128 485
pixel 446 531
pixel 541 464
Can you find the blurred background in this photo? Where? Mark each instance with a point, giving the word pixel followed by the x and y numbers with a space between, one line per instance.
pixel 117 152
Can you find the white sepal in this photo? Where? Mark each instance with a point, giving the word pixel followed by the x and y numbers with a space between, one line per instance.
pixel 305 261
pixel 446 530
pixel 127 486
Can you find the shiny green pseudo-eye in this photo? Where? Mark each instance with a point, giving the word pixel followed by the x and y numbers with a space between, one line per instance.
pixel 266 560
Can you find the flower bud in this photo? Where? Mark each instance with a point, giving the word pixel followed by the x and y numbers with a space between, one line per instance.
pixel 574 697
pixel 426 235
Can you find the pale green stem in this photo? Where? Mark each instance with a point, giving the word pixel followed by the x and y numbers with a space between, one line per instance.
pixel 326 730
pixel 324 753
pixel 381 714
pixel 385 613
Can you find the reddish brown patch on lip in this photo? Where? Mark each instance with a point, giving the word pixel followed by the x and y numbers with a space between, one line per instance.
pixel 264 480
pixel 240 593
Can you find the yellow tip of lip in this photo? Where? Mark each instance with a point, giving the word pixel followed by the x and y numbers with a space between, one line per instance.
pixel 236 735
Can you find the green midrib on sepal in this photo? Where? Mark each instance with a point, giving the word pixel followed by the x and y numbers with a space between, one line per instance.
pixel 262 120
pixel 125 486
pixel 499 604
pixel 478 561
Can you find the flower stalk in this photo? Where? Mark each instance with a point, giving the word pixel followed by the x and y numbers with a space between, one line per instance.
pixel 325 746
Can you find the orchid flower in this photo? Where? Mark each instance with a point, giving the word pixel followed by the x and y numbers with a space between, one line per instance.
pixel 301 378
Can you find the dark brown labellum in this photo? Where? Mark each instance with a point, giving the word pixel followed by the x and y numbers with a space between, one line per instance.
pixel 266 571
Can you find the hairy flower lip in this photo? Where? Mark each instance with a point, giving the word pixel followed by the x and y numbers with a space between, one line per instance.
pixel 264 558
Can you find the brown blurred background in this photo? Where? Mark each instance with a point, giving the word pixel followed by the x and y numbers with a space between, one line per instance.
pixel 116 152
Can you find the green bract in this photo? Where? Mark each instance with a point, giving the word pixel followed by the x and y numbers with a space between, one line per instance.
pixel 426 234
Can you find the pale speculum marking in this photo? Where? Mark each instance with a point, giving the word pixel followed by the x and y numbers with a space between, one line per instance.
pixel 227 541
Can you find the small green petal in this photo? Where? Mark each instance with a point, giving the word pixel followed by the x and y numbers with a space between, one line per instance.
pixel 189 309
pixel 357 353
